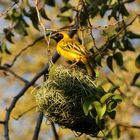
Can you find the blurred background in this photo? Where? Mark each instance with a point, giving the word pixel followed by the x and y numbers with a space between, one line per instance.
pixel 19 28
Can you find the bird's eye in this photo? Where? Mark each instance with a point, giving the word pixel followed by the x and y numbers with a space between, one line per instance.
pixel 57 37
pixel 60 36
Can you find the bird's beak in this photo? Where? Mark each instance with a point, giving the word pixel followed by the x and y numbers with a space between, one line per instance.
pixel 57 36
pixel 54 37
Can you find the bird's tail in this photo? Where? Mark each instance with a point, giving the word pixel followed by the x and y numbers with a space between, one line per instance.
pixel 90 70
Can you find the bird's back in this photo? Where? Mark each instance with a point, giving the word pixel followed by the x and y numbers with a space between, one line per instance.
pixel 72 50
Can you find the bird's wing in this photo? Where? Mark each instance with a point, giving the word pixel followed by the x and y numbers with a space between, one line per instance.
pixel 73 46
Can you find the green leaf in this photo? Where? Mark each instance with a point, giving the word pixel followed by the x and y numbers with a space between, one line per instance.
pixel 103 10
pixel 106 97
pixel 34 20
pixel 114 11
pixel 83 18
pixel 128 45
pixel 32 14
pixel 137 61
pixel 113 88
pixel 110 31
pixel 8 34
pixel 66 7
pixel 120 45
pixel 7 51
pixel 65 14
pixel 65 1
pixel 98 59
pixel 50 2
pixel 112 114
pixel 132 35
pixel 118 58
pixel 20 28
pixel 100 109
pixel 89 2
pixel 100 122
pixel 123 10
pixel 93 9
pixel 116 132
pixel 3 49
pixel 43 14
pixel 137 75
pixel 87 105
pixel 64 19
pixel 100 92
pixel 117 98
pixel 15 15
pixel 111 105
pixel 138 103
pixel 108 136
pixel 24 22
pixel 110 62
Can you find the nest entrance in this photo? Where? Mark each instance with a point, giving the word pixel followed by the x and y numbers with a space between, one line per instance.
pixel 62 96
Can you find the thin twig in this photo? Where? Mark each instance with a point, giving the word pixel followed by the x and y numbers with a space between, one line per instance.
pixel 5 68
pixel 54 131
pixel 38 127
pixel 116 35
pixel 111 82
pixel 120 91
pixel 128 126
pixel 43 29
pixel 23 50
pixel 2 39
pixel 9 8
pixel 91 27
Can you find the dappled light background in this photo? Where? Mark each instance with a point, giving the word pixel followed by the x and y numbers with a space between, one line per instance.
pixel 24 116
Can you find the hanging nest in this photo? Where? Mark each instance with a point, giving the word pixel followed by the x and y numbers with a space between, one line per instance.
pixel 62 96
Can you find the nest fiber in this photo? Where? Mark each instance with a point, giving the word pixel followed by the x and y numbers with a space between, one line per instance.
pixel 62 96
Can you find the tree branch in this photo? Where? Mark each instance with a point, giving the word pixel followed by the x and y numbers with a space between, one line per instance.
pixel 23 50
pixel 128 126
pixel 104 47
pixel 21 93
pixel 5 68
pixel 54 131
pixel 44 71
pixel 91 27
pixel 38 126
pixel 2 122
pixel 9 8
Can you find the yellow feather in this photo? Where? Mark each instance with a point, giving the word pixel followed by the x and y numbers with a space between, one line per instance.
pixel 72 50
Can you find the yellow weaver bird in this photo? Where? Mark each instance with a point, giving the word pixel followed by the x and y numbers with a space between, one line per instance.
pixel 72 50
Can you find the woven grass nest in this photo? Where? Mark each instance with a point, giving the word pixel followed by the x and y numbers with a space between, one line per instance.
pixel 62 96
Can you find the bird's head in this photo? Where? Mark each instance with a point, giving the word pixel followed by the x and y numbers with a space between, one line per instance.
pixel 59 35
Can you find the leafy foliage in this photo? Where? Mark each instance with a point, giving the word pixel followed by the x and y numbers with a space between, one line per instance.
pixel 50 2
pixel 104 103
pixel 136 77
pixel 114 26
pixel 137 62
pixel 3 49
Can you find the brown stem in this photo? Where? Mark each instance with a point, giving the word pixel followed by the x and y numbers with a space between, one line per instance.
pixel 54 131
pixel 21 93
pixel 38 127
